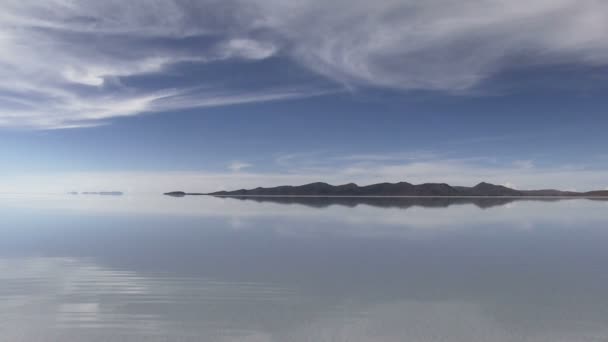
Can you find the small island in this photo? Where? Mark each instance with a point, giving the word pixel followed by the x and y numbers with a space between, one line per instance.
pixel 100 193
pixel 401 189
pixel 176 194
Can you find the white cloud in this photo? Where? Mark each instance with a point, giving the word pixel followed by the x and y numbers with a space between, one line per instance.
pixel 248 48
pixel 237 166
pixel 524 164
pixel 435 44
pixel 387 157
pixel 63 62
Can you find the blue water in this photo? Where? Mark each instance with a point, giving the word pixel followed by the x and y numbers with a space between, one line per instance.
pixel 153 268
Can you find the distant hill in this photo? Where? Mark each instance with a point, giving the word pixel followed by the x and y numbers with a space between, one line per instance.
pixel 102 193
pixel 396 189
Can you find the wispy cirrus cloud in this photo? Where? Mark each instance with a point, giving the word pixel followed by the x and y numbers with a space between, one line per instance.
pixel 438 45
pixel 69 63
pixel 64 63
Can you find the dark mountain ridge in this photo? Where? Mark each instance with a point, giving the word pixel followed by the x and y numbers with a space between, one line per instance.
pixel 320 189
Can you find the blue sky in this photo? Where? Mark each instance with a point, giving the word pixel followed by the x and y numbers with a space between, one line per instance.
pixel 148 96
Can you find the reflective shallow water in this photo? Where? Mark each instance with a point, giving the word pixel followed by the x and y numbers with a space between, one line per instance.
pixel 78 268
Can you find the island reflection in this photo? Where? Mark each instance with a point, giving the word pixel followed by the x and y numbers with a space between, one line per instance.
pixel 397 202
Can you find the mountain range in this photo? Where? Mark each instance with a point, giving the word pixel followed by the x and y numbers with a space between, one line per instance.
pixel 397 189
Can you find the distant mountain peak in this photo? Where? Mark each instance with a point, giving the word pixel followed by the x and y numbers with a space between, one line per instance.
pixel 486 184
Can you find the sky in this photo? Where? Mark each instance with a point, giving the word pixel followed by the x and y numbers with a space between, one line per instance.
pixel 155 96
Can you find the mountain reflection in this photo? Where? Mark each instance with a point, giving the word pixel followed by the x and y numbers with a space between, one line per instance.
pixel 392 202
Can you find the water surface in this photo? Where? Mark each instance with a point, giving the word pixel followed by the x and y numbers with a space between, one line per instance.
pixel 153 268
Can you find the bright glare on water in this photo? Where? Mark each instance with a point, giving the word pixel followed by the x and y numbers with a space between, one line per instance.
pixel 88 268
